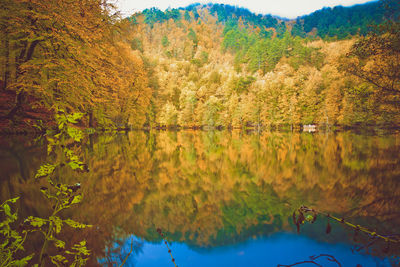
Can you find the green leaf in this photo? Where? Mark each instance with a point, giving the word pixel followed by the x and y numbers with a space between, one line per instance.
pixel 80 249
pixel 23 261
pixel 49 149
pixel 7 210
pixel 309 218
pixel 75 165
pixel 77 199
pixel 36 221
pixel 74 117
pixel 75 224
pixel 59 243
pixel 57 223
pixel 12 200
pixel 58 259
pixel 75 134
pixel 45 170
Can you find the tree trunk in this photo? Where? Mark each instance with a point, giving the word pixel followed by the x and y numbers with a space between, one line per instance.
pixel 91 119
pixel 6 73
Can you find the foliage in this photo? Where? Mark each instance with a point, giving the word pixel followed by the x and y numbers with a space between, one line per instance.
pixel 375 59
pixel 12 240
pixel 154 15
pixel 305 214
pixel 340 22
pixel 61 196
pixel 80 61
pixel 296 80
pixel 228 12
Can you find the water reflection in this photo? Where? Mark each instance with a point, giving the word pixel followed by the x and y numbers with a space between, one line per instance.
pixel 218 189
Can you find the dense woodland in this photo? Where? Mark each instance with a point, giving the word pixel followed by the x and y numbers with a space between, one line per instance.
pixel 204 65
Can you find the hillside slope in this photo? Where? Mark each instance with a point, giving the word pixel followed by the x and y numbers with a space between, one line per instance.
pixel 217 65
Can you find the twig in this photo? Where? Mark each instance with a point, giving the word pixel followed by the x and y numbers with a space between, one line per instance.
pixel 166 244
pixel 127 256
pixel 312 261
pixel 356 227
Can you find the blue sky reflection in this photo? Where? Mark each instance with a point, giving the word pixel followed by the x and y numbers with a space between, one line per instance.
pixel 281 248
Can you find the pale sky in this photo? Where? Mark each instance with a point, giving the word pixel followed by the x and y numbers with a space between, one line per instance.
pixel 283 8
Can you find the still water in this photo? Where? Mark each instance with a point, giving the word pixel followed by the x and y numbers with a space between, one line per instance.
pixel 221 198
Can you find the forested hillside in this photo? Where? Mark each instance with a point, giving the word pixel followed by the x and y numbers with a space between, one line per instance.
pixel 204 65
pixel 219 65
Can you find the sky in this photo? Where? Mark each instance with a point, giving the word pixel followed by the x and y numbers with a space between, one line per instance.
pixel 283 8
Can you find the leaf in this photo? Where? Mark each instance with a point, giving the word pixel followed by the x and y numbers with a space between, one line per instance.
pixel 45 170
pixel 309 218
pixel 7 210
pixel 74 117
pixel 58 259
pixel 58 243
pixel 57 223
pixel 49 149
pixel 23 261
pixel 75 134
pixel 328 228
pixel 80 249
pixel 36 221
pixel 75 224
pixel 76 199
pixel 75 165
pixel 12 200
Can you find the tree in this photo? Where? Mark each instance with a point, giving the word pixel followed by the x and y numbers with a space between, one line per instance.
pixel 78 60
pixel 375 59
pixel 164 41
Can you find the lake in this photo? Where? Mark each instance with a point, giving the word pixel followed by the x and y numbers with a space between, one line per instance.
pixel 221 198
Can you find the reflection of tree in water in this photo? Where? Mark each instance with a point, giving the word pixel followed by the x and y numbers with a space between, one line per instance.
pixel 215 188
pixel 121 252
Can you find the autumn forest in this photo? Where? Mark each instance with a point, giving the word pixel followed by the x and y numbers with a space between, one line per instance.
pixel 201 66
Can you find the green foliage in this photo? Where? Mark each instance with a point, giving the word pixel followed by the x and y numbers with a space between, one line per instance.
pixel 212 116
pixel 199 62
pixel 187 16
pixel 154 15
pixel 340 21
pixel 263 53
pixel 193 36
pixel 228 12
pixel 136 44
pixel 165 41
pixel 80 252
pixel 44 170
pixel 242 84
pixel 62 196
pixel 12 240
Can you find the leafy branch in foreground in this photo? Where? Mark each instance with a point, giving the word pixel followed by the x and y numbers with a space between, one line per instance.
pixel 63 196
pixel 12 240
pixel 65 142
pixel 305 214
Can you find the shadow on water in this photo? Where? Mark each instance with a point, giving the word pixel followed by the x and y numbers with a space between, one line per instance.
pixel 215 194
